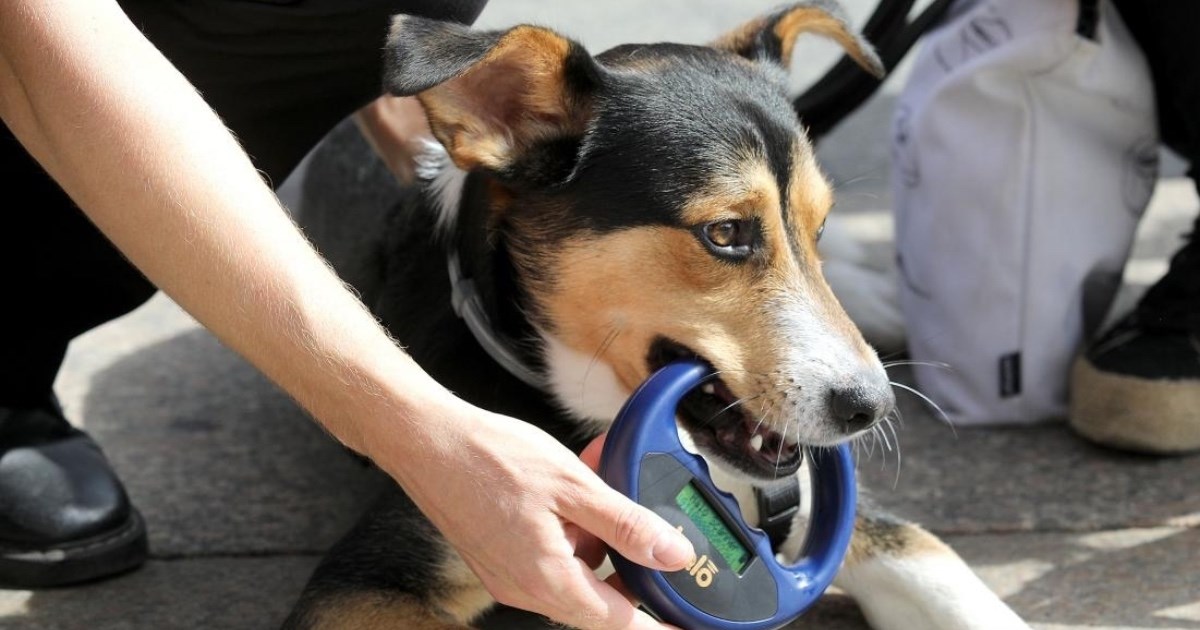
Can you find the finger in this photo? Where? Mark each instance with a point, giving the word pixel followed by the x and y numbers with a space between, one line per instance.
pixel 618 585
pixel 590 549
pixel 591 454
pixel 608 608
pixel 587 547
pixel 631 530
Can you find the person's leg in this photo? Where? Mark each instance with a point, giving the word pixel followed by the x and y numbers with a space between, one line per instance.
pixel 1138 385
pixel 280 73
pixel 59 277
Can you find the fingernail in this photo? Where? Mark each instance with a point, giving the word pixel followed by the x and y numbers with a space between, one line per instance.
pixel 673 550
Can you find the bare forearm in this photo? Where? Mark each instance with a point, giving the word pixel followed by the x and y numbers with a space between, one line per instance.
pixel 153 167
pixel 137 148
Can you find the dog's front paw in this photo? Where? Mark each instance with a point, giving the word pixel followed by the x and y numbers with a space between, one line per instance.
pixel 935 591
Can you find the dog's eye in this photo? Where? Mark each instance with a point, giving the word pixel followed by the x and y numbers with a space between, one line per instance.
pixel 723 234
pixel 731 239
pixel 820 230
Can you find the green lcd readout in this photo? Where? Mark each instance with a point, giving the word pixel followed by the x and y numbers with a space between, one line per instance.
pixel 713 527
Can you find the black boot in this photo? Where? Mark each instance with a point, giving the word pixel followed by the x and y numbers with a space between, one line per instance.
pixel 64 516
pixel 1137 387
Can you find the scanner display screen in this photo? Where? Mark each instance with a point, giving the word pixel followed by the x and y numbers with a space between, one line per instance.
pixel 697 507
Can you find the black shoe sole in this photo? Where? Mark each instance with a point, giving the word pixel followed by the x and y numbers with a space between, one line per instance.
pixel 102 556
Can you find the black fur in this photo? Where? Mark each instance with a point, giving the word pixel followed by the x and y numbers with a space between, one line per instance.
pixel 656 133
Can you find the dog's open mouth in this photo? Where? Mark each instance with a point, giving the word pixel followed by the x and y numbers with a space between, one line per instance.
pixel 719 423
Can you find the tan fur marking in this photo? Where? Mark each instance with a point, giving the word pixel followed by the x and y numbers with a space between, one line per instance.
pixel 603 300
pixel 512 97
pixel 463 595
pixel 790 25
pixel 809 194
pixel 602 284
pixel 811 199
pixel 814 20
pixel 741 37
pixel 749 193
pixel 884 537
pixel 377 611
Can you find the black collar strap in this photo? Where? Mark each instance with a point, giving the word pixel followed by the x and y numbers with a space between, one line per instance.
pixel 483 289
pixel 777 507
pixel 468 305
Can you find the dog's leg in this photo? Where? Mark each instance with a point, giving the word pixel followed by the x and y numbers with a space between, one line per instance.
pixel 392 570
pixel 373 611
pixel 451 602
pixel 903 577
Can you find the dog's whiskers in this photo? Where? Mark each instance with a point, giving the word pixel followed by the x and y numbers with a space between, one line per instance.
pixel 885 445
pixel 733 370
pixel 935 364
pixel 783 434
pixel 882 436
pixel 865 177
pixel 761 418
pixel 732 405
pixel 899 458
pixel 604 346
pixel 945 418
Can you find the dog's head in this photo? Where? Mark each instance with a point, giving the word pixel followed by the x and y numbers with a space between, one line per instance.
pixel 659 201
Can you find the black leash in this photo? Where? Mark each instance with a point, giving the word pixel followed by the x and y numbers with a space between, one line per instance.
pixel 777 506
pixel 845 87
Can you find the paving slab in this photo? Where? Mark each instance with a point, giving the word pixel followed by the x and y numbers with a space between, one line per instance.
pixel 218 593
pixel 218 460
pixel 1128 578
pixel 1039 478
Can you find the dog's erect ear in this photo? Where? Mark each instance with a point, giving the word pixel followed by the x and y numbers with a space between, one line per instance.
pixel 492 96
pixel 772 38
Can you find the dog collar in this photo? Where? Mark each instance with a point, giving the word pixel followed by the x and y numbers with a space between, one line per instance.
pixel 777 505
pixel 464 297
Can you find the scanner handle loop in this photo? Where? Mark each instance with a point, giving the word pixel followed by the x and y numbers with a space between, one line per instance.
pixel 647 424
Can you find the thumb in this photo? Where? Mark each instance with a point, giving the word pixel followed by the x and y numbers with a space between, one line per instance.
pixel 630 529
pixel 591 453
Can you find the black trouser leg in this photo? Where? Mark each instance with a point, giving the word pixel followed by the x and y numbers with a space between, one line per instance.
pixel 58 277
pixel 280 73
pixel 1167 32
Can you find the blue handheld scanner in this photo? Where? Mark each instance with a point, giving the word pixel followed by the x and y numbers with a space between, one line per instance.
pixel 735 581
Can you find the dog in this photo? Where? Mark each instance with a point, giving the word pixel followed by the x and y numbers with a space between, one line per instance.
pixel 584 221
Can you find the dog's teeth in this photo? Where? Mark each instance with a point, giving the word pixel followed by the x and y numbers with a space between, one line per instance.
pixel 709 388
pixel 756 442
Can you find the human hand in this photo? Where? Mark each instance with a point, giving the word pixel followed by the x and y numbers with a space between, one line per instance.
pixel 396 128
pixel 528 518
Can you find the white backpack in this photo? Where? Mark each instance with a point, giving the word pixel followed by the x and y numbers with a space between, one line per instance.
pixel 1024 151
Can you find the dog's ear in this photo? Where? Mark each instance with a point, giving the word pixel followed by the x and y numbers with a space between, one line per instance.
pixel 493 97
pixel 772 38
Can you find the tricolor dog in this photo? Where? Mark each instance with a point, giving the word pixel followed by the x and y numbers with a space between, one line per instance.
pixel 586 219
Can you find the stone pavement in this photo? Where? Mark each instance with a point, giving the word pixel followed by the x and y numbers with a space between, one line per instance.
pixel 243 493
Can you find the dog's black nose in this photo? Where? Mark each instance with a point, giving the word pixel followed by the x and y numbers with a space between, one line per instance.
pixel 856 408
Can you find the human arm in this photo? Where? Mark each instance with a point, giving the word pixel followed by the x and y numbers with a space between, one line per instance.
pixel 139 151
